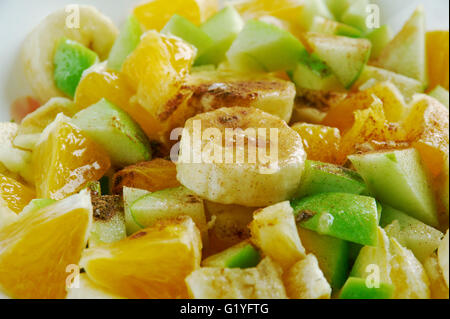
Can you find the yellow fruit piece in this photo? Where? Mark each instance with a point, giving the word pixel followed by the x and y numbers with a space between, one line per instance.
pixel 65 160
pixel 152 263
pixel 152 176
pixel 154 15
pixel 321 143
pixel 36 250
pixel 15 194
pixel 438 287
pixel 426 127
pixel 437 58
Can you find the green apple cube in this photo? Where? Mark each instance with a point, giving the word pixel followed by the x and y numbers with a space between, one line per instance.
pixel 356 288
pixel 328 178
pixel 406 53
pixel 420 238
pixel 398 179
pixel 338 7
pixel 312 9
pixel 305 77
pixel 130 196
pixel 242 255
pixel 183 28
pixel 326 26
pixel 71 59
pixel 356 15
pixel 345 56
pixel 128 39
pixel 345 216
pixel 116 132
pixel 222 29
pixel 440 94
pixel 379 37
pixel 332 255
pixel 264 47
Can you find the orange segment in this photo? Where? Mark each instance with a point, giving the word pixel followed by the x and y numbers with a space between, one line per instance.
pixel 154 15
pixel 65 160
pixel 152 263
pixel 437 58
pixel 36 250
pixel 321 143
pixel 153 176
pixel 15 194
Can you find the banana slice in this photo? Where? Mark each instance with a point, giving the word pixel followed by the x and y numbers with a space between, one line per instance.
pixel 240 156
pixel 84 24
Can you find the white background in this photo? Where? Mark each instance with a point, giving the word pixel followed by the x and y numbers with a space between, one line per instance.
pixel 18 17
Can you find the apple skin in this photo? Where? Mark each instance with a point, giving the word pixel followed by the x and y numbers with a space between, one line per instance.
pixel 356 288
pixel 242 255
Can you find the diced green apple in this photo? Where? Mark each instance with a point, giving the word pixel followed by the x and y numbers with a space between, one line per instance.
pixel 305 77
pixel 332 254
pixel 338 7
pixel 440 94
pixel 345 56
pixel 345 216
pixel 406 53
pixel 264 47
pixel 328 178
pixel 326 26
pixel 71 59
pixel 398 179
pixel 312 9
pixel 183 28
pixel 379 37
pixel 222 28
pixel 356 288
pixel 128 39
pixel 130 196
pixel 116 132
pixel 422 239
pixel 356 15
pixel 242 255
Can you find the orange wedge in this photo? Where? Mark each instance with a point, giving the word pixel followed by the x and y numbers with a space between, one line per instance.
pixel 15 194
pixel 437 58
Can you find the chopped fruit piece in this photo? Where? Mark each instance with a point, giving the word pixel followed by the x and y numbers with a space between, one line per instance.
pixel 441 94
pixel 156 13
pixel 305 280
pixel 422 239
pixel 305 77
pixel 338 7
pixel 7 216
pixel 109 223
pixel 345 216
pixel 327 178
pixel 274 231
pixel 443 257
pixel 398 179
pixel 152 176
pixel 380 37
pixel 438 286
pixel 70 60
pixel 22 107
pixel 356 15
pixel 332 254
pixel 34 123
pixel 128 39
pixel 115 131
pixel 406 53
pixel 356 288
pixel 55 236
pixel 326 26
pixel 183 28
pixel 151 264
pixel 437 43
pixel 262 282
pixel 65 160
pixel 264 47
pixel 222 29
pixel 88 290
pixel 345 56
pixel 321 143
pixel 312 9
pixel 242 255
pixel 37 204
pixel 131 195
pixel 15 194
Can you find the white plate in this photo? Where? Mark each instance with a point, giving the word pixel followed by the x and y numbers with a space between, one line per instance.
pixel 18 17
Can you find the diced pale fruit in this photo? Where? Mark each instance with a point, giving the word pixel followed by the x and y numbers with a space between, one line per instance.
pixel 262 282
pixel 130 196
pixel 305 77
pixel 443 257
pixel 152 263
pixel 438 286
pixel 115 131
pixel 23 106
pixel 88 290
pixel 398 178
pixel 345 56
pixel 312 9
pixel 274 231
pixel 440 94
pixel 37 204
pixel 380 37
pixel 422 239
pixel 406 53
pixel 305 280
pixel 242 255
pixel 338 7
pixel 327 26
pixel 356 15
pixel 356 288
pixel 332 255
pixel 345 216
pixel 128 39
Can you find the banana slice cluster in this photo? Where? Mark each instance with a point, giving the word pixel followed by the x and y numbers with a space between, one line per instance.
pixel 240 156
pixel 84 24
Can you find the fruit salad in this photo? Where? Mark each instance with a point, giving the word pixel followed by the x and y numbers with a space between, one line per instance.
pixel 253 149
